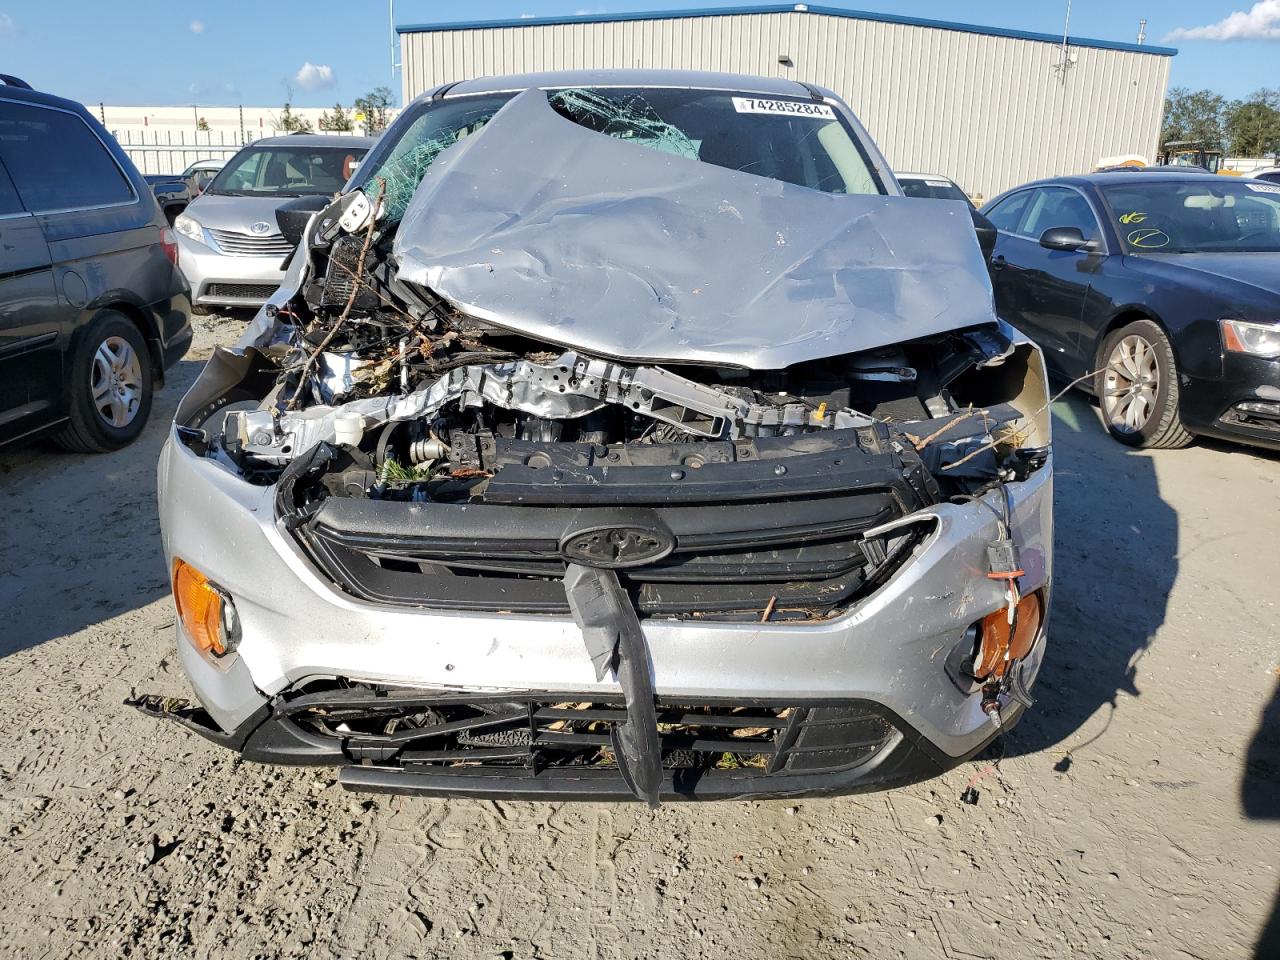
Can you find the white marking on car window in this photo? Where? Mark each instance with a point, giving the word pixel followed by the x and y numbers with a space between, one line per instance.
pixel 786 108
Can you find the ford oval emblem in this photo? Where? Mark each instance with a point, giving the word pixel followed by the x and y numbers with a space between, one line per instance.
pixel 615 547
pixel 260 228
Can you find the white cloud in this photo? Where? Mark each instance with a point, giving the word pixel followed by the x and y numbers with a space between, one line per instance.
pixel 6 24
pixel 197 26
pixel 1259 22
pixel 314 76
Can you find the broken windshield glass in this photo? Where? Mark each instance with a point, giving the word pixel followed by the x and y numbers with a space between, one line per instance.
pixel 624 116
pixel 437 126
pixel 795 141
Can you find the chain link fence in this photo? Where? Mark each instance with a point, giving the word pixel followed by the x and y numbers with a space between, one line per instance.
pixel 172 151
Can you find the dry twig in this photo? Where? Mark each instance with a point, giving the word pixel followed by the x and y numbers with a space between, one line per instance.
pixel 921 444
pixel 1013 435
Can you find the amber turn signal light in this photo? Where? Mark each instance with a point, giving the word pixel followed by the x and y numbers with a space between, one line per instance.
pixel 199 608
pixel 996 648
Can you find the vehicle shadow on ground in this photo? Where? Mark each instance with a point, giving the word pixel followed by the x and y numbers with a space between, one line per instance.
pixel 1260 797
pixel 80 541
pixel 1238 449
pixel 1115 560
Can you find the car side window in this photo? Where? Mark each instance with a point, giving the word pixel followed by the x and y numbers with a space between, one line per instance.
pixel 56 161
pixel 9 202
pixel 1007 214
pixel 1060 207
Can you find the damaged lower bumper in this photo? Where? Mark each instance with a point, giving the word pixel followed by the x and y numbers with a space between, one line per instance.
pixel 489 702
pixel 760 750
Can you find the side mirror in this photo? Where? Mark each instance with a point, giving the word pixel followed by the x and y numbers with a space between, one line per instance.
pixel 1065 238
pixel 987 234
pixel 292 215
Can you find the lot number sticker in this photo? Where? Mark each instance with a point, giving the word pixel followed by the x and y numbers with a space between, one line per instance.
pixel 786 108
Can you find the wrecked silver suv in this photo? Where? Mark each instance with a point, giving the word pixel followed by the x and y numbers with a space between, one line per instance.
pixel 616 434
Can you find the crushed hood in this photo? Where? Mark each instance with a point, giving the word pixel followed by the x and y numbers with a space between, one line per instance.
pixel 560 233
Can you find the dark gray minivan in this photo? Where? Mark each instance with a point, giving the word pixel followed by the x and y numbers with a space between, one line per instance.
pixel 93 308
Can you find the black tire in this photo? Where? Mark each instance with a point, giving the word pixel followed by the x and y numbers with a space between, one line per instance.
pixel 1137 388
pixel 88 429
pixel 200 310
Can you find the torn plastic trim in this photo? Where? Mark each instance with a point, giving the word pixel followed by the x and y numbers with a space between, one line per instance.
pixel 614 638
pixel 196 719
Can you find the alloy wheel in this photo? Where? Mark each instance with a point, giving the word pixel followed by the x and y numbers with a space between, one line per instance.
pixel 1130 384
pixel 115 382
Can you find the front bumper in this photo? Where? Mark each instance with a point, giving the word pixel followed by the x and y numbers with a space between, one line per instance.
pixel 220 280
pixel 887 652
pixel 1213 406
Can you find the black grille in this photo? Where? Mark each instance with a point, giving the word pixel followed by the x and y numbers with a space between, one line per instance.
pixel 535 735
pixel 773 524
pixel 241 291
pixel 340 279
pixel 803 559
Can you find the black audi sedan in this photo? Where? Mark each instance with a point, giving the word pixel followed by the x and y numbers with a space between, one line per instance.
pixel 1161 293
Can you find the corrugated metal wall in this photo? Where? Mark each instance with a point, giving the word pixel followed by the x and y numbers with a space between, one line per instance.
pixel 988 111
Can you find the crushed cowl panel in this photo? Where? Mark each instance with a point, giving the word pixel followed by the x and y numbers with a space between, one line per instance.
pixel 552 230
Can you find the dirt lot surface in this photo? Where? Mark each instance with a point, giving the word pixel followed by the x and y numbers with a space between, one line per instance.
pixel 1136 814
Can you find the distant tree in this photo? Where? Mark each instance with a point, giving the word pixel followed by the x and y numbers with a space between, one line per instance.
pixel 1194 115
pixel 376 107
pixel 1253 126
pixel 290 122
pixel 337 121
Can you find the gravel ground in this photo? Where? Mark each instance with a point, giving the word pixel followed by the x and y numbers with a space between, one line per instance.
pixel 1136 814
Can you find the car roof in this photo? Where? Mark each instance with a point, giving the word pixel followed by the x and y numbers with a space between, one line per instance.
pixel 925 176
pixel 696 79
pixel 1117 176
pixel 14 92
pixel 316 140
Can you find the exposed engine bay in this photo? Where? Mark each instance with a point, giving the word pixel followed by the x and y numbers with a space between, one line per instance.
pixel 428 409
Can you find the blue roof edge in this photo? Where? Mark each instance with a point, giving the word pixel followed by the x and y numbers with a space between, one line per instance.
pixel 784 8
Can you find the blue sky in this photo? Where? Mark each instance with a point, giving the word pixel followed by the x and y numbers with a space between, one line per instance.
pixel 256 51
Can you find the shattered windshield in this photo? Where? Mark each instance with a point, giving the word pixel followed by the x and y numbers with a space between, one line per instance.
pixel 1165 216
pixel 796 141
pixel 402 158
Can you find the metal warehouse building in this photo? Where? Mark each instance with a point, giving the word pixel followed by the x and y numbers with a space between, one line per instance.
pixel 989 107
